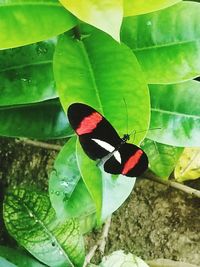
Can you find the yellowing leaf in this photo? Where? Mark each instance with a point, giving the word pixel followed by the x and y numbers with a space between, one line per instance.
pixel 105 15
pixel 188 167
pixel 135 7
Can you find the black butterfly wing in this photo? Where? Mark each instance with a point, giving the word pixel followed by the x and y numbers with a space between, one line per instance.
pixel 131 161
pixel 97 136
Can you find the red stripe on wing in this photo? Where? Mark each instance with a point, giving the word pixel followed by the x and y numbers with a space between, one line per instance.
pixel 132 161
pixel 89 123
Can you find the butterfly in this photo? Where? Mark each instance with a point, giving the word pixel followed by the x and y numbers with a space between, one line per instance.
pixel 101 142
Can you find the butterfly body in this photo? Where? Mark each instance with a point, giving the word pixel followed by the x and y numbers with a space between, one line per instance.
pixel 101 142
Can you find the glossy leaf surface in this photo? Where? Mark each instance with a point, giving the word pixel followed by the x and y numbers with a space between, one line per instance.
pixel 106 15
pixel 24 22
pixel 188 167
pixel 26 74
pixel 162 158
pixel 68 193
pixel 175 109
pixel 16 257
pixel 106 73
pixel 166 42
pixel 52 242
pixel 108 191
pixel 45 120
pixel 134 7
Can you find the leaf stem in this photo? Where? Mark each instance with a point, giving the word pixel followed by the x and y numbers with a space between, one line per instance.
pixel 101 243
pixel 189 190
pixel 40 144
pixel 148 175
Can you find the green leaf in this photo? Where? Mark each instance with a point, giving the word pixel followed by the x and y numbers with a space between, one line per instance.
pixel 26 74
pixel 69 196
pixel 18 257
pixel 108 191
pixel 134 7
pixel 31 220
pixel 25 22
pixel 166 42
pixel 188 167
pixel 5 263
pixel 106 15
pixel 45 120
pixel 168 263
pixel 119 258
pixel 175 109
pixel 105 72
pixel 92 178
pixel 162 158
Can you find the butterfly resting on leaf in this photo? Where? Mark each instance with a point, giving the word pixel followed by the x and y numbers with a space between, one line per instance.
pixel 101 142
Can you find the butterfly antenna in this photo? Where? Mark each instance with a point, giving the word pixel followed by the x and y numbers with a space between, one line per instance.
pixel 126 114
pixel 134 132
pixel 151 129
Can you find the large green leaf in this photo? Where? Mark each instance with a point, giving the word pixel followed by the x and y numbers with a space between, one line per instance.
pixel 166 42
pixel 175 109
pixel 26 74
pixel 106 72
pixel 68 193
pixel 108 191
pixel 31 220
pixel 106 15
pixel 45 120
pixel 134 7
pixel 17 257
pixel 102 73
pixel 162 158
pixel 28 21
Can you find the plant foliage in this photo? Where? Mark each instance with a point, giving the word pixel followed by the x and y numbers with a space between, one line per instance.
pixel 137 70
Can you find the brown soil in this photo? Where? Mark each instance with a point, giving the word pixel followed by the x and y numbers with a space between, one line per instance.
pixel 155 221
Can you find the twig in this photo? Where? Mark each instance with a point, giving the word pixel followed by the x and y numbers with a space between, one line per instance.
pixel 148 175
pixel 40 144
pixel 103 239
pixel 101 244
pixel 189 190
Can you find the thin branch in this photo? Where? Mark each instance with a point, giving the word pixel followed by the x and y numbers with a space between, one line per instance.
pixel 40 144
pixel 101 243
pixel 104 237
pixel 189 190
pixel 148 175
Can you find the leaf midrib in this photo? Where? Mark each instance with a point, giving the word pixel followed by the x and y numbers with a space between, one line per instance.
pixel 45 62
pixel 93 78
pixel 52 237
pixel 187 167
pixel 175 113
pixel 165 45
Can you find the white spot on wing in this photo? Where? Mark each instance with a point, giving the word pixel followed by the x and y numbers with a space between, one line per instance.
pixel 108 148
pixel 117 156
pixel 104 145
